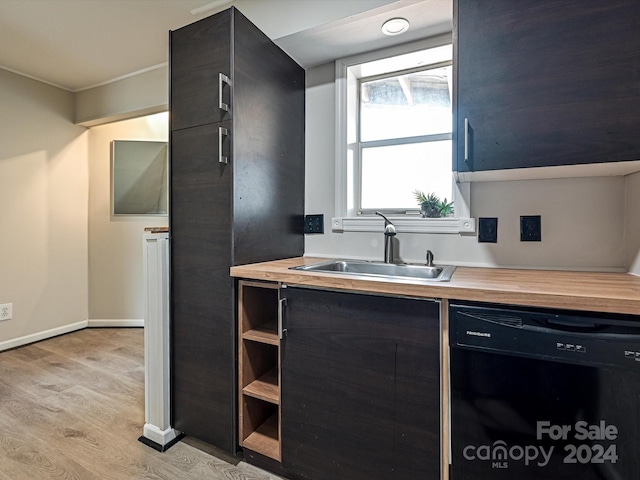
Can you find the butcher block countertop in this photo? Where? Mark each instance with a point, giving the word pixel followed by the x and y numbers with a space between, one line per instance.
pixel 587 291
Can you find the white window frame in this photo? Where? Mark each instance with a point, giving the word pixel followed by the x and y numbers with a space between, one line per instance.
pixel 346 218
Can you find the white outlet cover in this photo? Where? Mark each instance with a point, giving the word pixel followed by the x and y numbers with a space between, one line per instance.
pixel 6 311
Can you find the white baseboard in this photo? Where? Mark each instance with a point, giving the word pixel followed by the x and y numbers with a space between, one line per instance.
pixel 54 332
pixel 118 322
pixel 161 437
pixel 36 337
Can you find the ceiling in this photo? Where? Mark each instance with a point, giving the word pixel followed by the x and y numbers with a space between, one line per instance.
pixel 79 44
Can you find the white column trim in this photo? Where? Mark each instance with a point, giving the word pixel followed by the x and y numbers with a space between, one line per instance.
pixel 157 426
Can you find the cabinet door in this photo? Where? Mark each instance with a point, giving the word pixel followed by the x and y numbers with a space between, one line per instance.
pixel 546 83
pixel 202 294
pixel 199 53
pixel 360 387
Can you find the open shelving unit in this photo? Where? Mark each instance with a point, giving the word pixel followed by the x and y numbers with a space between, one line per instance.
pixel 259 367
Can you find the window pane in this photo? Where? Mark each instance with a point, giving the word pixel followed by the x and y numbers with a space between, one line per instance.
pixel 391 174
pixel 407 105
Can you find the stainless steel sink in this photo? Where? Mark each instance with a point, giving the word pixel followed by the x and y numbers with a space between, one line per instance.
pixel 436 273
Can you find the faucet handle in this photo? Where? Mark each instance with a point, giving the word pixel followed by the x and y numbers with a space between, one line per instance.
pixel 389 228
pixel 429 258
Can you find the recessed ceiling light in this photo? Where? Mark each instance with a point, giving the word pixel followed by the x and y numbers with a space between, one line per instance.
pixel 395 26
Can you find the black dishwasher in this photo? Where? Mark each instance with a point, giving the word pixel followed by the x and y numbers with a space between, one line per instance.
pixel 543 394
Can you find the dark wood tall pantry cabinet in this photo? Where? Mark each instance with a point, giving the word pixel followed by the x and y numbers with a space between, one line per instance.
pixel 237 196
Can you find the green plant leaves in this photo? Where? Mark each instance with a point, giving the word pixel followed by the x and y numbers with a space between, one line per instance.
pixel 431 206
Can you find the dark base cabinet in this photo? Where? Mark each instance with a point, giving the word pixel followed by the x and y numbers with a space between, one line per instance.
pixel 360 392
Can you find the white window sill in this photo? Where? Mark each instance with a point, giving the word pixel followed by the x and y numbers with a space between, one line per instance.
pixel 405 224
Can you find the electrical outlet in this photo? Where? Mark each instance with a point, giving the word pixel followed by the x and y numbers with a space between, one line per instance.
pixel 488 230
pixel 530 228
pixel 6 311
pixel 314 223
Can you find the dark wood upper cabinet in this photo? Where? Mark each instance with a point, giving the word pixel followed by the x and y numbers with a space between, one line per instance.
pixel 200 65
pixel 545 83
pixel 360 390
pixel 236 196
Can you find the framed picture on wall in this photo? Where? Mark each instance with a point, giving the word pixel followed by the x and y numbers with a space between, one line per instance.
pixel 139 177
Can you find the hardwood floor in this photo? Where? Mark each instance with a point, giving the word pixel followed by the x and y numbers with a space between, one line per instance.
pixel 72 407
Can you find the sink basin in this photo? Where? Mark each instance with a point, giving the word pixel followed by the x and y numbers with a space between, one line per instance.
pixel 437 273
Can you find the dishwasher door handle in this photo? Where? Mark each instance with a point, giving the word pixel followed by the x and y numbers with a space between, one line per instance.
pixel 498 318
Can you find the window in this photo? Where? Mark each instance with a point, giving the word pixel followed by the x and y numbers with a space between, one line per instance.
pixel 394 136
pixel 404 138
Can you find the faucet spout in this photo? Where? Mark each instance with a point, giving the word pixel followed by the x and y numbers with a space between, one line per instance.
pixel 429 258
pixel 389 233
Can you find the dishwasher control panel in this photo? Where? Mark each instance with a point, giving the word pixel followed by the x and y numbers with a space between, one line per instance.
pixel 573 337
pixel 571 347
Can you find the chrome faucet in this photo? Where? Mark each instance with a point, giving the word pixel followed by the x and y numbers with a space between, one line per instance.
pixel 389 233
pixel 429 258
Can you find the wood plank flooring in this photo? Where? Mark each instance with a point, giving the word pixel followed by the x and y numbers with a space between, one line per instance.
pixel 72 407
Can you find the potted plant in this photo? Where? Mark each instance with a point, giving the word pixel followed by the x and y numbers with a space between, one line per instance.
pixel 431 206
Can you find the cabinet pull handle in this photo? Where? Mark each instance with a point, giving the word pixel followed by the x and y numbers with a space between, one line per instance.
pixel 222 132
pixel 466 140
pixel 281 331
pixel 222 79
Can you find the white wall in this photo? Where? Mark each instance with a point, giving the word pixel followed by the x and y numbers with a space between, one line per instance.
pixel 115 243
pixel 43 209
pixel 582 218
pixel 144 93
pixel 633 222
pixel 64 261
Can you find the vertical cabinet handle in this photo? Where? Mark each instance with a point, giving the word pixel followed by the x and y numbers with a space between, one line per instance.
pixel 466 140
pixel 222 79
pixel 222 132
pixel 281 330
